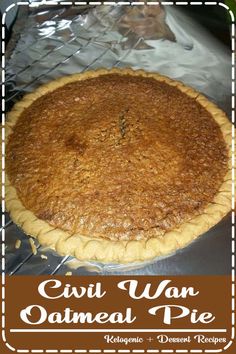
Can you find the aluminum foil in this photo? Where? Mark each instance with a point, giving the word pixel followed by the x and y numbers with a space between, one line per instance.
pixel 52 41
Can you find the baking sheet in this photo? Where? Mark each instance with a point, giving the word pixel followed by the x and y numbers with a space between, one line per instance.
pixel 53 41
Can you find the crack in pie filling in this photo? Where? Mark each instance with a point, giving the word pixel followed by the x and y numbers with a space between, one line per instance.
pixel 117 165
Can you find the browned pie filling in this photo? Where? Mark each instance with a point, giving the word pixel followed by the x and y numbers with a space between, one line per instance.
pixel 117 156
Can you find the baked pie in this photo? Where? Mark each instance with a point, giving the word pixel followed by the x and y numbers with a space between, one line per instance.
pixel 117 165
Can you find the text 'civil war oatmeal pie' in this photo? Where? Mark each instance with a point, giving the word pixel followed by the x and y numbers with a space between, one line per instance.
pixel 117 165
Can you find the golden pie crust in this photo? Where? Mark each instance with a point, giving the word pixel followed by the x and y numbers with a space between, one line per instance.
pixel 137 235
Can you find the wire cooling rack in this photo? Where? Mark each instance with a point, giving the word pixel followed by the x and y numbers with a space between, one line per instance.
pixel 49 42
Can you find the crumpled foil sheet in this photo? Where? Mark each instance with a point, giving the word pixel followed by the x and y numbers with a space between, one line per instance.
pixel 52 41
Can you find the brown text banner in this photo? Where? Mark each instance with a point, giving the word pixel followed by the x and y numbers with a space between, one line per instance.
pixel 155 313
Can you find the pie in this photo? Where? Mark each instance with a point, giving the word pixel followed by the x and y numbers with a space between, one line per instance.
pixel 117 165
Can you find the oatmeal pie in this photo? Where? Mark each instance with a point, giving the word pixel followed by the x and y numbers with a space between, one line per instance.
pixel 117 165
